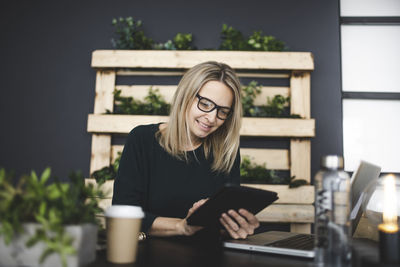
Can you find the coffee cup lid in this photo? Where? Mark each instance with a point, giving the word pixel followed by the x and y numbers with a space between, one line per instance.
pixel 124 211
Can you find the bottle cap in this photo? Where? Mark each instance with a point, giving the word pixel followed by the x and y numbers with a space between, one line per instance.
pixel 332 162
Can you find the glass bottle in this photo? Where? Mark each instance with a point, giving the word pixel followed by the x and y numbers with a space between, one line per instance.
pixel 332 213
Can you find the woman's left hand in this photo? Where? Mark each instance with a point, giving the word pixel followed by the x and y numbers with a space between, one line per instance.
pixel 239 224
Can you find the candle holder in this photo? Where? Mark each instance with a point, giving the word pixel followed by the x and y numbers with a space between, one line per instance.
pixel 373 206
pixel 383 208
pixel 389 243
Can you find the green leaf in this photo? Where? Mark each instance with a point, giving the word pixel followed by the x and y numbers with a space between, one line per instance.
pixel 65 188
pixel 33 240
pixel 2 176
pixel 54 217
pixel 47 252
pixel 53 192
pixel 297 183
pixel 70 250
pixel 34 176
pixel 45 176
pixel 8 231
pixel 42 208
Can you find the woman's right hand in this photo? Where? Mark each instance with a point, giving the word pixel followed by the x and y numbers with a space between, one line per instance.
pixel 189 229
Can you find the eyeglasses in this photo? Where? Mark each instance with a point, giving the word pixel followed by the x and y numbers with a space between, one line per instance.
pixel 207 105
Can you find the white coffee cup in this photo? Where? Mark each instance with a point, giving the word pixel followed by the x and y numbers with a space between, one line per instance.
pixel 123 225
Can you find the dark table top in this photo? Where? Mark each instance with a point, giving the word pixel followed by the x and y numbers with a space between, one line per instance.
pixel 187 252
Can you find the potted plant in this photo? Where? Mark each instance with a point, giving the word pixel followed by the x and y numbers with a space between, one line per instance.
pixel 46 222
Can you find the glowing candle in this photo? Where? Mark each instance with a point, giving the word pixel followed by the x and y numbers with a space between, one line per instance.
pixel 389 229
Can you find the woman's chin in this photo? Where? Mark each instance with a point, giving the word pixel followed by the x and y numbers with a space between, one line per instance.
pixel 201 134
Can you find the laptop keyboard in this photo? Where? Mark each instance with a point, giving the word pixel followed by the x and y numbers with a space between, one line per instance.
pixel 300 241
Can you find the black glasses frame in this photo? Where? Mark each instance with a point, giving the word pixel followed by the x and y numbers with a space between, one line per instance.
pixel 215 106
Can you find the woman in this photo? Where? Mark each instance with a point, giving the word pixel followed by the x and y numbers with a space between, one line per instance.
pixel 169 169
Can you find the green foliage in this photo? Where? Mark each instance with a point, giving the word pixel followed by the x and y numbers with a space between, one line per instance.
pixel 168 45
pixel 51 205
pixel 297 182
pixel 249 93
pixel 254 173
pixel 107 173
pixel 182 41
pixel 274 107
pixel 153 104
pixel 129 35
pixel 260 42
pixel 233 39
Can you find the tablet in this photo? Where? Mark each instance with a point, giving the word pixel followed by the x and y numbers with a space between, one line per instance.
pixel 231 197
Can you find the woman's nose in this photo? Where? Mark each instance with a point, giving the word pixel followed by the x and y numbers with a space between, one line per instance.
pixel 212 116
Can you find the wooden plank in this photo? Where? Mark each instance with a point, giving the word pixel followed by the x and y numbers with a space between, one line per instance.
pixel 100 155
pixel 120 123
pixel 102 220
pixel 104 99
pixel 250 126
pixel 300 94
pixel 278 127
pixel 273 213
pixel 302 228
pixel 187 59
pixel 287 213
pixel 275 159
pixel 300 159
pixel 105 203
pixel 180 73
pixel 167 91
pixel 115 149
pixel 300 195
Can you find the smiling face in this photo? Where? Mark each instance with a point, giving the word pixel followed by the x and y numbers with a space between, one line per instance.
pixel 201 124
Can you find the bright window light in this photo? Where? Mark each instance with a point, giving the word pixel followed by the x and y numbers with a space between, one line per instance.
pixel 371 132
pixel 371 58
pixel 369 8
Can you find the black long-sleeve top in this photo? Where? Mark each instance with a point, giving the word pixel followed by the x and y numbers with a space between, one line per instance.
pixel 161 184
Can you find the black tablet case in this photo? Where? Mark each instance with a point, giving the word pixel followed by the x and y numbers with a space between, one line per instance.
pixel 231 197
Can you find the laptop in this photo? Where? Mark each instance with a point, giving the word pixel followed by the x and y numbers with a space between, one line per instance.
pixel 302 245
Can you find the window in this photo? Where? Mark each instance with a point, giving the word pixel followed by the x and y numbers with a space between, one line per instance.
pixel 370 56
pixel 370 137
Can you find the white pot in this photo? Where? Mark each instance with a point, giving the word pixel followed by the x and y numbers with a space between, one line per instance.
pixel 17 254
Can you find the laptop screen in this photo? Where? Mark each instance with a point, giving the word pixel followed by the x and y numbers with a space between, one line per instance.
pixel 362 187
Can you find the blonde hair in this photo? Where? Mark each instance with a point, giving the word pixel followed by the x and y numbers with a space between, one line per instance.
pixel 224 142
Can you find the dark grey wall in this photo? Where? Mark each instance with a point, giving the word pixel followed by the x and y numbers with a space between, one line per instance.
pixel 47 85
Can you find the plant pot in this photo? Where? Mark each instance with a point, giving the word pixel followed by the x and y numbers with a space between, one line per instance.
pixel 17 254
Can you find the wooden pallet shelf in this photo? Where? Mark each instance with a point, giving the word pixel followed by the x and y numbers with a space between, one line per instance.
pixel 295 206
